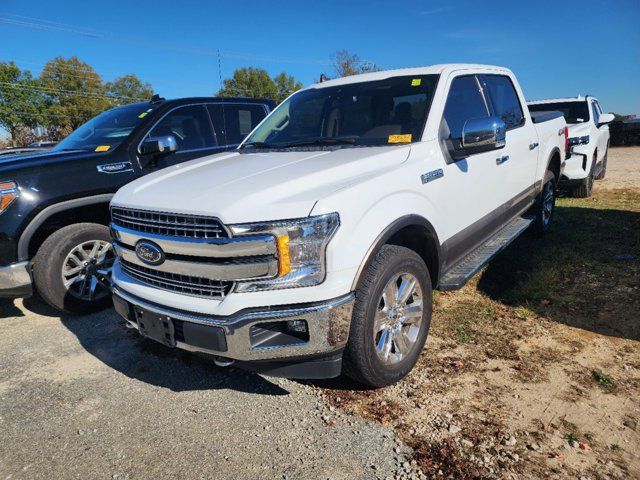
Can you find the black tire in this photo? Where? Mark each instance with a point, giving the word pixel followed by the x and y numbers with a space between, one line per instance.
pixel 585 188
pixel 360 361
pixel 542 215
pixel 48 267
pixel 603 171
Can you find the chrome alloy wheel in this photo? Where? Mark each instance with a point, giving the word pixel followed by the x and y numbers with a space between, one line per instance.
pixel 398 318
pixel 547 203
pixel 86 271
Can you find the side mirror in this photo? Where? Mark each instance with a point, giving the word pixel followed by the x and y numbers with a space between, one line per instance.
pixel 159 145
pixel 482 135
pixel 605 118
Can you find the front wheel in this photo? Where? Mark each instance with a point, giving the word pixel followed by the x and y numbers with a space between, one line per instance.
pixel 72 268
pixel 391 318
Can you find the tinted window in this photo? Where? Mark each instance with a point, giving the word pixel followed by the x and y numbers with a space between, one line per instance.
pixel 463 103
pixel 381 112
pixel 237 123
pixel 573 112
pixel 596 115
pixel 189 125
pixel 505 100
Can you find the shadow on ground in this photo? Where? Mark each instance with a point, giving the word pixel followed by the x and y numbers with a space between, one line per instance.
pixel 584 273
pixel 106 337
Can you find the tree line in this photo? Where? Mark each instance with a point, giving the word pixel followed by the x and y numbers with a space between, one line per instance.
pixel 68 92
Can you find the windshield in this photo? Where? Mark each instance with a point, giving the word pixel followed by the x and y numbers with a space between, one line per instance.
pixel 107 130
pixel 382 112
pixel 573 112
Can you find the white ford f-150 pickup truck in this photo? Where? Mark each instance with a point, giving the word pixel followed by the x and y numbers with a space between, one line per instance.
pixel 315 246
pixel 588 140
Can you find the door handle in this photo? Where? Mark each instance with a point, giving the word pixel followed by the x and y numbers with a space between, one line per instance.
pixel 501 160
pixel 533 145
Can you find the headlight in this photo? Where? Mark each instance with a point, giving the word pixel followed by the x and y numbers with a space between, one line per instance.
pixel 301 246
pixel 8 193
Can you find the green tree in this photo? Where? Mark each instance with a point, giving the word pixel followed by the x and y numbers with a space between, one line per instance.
pixel 127 89
pixel 346 63
pixel 254 82
pixel 20 101
pixel 74 94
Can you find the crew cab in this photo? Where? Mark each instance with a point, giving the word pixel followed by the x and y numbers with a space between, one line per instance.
pixel 588 141
pixel 317 243
pixel 54 211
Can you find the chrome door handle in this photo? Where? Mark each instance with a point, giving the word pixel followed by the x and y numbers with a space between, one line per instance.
pixel 501 160
pixel 533 145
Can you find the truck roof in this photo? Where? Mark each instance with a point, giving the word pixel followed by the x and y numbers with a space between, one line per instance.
pixel 187 100
pixel 382 74
pixel 579 98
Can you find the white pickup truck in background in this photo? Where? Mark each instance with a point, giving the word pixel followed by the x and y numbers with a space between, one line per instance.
pixel 588 140
pixel 317 244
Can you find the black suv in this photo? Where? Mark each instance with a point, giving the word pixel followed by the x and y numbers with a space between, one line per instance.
pixel 54 205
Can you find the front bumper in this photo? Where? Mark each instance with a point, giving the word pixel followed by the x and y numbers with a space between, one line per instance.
pixel 576 167
pixel 15 281
pixel 327 322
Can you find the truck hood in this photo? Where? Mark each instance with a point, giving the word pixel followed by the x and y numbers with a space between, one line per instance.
pixel 265 185
pixel 10 163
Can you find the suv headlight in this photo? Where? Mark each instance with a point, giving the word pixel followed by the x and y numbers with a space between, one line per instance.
pixel 8 193
pixel 301 246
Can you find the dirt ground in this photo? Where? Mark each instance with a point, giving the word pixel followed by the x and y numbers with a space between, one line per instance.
pixel 531 371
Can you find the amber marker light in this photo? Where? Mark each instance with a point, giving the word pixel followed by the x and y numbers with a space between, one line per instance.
pixel 284 260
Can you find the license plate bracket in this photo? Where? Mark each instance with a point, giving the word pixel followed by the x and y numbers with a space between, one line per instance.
pixel 156 327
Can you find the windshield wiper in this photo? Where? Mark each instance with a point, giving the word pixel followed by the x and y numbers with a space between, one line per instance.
pixel 258 145
pixel 323 141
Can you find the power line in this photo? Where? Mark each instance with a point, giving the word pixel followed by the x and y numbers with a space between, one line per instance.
pixel 70 92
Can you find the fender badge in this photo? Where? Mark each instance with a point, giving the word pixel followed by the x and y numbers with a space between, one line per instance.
pixel 432 175
pixel 119 167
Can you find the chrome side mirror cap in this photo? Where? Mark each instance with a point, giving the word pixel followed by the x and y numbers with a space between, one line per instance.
pixel 483 135
pixel 159 145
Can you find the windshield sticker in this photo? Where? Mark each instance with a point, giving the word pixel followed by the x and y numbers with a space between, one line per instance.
pixel 416 82
pixel 103 148
pixel 405 138
pixel 143 114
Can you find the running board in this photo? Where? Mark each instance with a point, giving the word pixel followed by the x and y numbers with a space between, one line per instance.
pixel 460 273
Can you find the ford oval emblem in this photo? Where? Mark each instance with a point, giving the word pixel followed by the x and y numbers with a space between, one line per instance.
pixel 149 252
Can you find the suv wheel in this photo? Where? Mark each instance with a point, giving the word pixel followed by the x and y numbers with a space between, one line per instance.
pixel 72 268
pixel 585 188
pixel 603 171
pixel 391 318
pixel 545 205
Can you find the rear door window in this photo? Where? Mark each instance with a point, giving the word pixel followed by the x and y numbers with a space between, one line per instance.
pixel 189 125
pixel 504 98
pixel 463 103
pixel 233 122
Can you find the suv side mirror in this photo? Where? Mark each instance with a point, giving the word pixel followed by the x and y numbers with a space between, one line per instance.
pixel 159 145
pixel 605 118
pixel 482 135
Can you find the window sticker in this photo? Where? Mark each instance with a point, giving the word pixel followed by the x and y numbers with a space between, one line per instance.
pixel 405 138
pixel 416 82
pixel 143 114
pixel 103 148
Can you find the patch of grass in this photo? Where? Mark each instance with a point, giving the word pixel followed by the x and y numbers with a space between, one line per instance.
pixel 605 381
pixel 572 437
pixel 615 447
pixel 523 313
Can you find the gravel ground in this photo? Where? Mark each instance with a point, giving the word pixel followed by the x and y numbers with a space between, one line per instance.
pixel 83 397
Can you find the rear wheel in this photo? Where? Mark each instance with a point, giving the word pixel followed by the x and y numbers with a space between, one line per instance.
pixel 585 188
pixel 390 319
pixel 545 205
pixel 72 268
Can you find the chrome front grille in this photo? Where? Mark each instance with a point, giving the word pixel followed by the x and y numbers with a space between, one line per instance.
pixel 169 224
pixel 185 284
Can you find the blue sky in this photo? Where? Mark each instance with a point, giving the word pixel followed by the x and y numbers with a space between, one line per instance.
pixel 556 48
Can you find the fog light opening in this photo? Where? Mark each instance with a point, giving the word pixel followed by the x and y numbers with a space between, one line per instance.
pixel 279 334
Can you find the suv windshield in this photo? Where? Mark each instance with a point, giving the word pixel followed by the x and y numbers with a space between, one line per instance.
pixel 107 130
pixel 573 112
pixel 381 112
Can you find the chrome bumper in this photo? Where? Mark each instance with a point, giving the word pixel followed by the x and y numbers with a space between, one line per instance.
pixel 15 281
pixel 328 323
